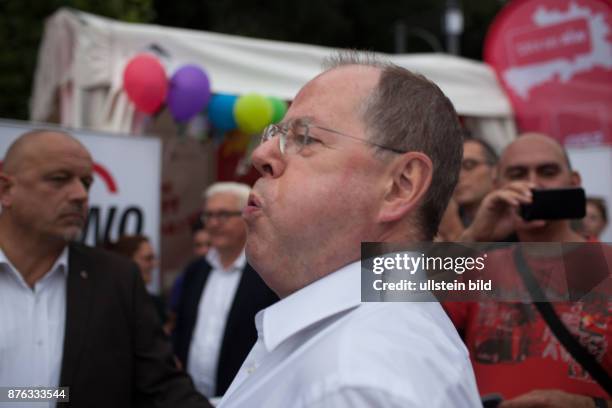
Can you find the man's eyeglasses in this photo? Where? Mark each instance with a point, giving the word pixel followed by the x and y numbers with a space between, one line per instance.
pixel 295 135
pixel 471 164
pixel 221 216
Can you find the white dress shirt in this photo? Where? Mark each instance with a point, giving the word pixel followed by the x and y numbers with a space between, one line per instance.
pixel 32 322
pixel 213 309
pixel 322 347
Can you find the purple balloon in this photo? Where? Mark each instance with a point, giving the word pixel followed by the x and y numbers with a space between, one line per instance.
pixel 189 92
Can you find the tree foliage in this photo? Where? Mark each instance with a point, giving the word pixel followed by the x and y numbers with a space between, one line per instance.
pixel 362 24
pixel 21 27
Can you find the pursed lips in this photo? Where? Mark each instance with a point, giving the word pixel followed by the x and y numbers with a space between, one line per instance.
pixel 254 204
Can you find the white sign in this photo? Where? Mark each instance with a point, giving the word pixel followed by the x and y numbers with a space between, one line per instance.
pixel 125 195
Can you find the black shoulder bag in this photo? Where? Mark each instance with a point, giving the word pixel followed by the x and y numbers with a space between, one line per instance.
pixel 571 344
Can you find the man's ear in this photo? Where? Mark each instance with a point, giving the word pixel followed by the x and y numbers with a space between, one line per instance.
pixel 6 184
pixel 410 179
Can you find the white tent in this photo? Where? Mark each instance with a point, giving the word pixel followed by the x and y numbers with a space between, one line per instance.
pixel 82 58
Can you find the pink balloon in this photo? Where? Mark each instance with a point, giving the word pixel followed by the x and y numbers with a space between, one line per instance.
pixel 145 83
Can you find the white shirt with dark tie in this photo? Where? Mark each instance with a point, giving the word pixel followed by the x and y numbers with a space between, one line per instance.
pixel 213 309
pixel 32 322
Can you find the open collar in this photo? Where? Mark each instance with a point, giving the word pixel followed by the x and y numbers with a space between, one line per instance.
pixel 330 295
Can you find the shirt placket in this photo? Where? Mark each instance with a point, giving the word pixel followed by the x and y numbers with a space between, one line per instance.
pixel 40 334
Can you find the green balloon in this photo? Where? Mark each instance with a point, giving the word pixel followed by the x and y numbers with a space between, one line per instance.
pixel 279 109
pixel 253 113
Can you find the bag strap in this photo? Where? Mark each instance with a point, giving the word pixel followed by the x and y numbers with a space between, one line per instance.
pixel 571 344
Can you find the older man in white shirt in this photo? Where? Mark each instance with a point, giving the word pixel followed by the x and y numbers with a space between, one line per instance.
pixel 368 151
pixel 220 295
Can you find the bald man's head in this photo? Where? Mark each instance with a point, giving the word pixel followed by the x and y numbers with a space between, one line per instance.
pixel 537 158
pixel 33 144
pixel 530 139
pixel 44 185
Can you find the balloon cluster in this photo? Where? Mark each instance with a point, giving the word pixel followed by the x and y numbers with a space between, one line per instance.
pixel 188 93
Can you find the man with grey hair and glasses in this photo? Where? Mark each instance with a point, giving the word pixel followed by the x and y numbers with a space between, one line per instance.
pixel 220 295
pixel 368 151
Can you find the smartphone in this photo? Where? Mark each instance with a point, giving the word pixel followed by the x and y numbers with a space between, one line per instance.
pixel 555 204
pixel 492 400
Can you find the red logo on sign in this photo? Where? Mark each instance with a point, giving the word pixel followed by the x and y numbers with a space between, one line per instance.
pixel 106 177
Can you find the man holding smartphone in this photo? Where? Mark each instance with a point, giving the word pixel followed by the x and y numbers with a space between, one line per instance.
pixel 532 161
pixel 512 348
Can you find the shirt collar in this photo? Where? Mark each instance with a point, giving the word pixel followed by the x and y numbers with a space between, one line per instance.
pixel 214 260
pixel 61 264
pixel 332 294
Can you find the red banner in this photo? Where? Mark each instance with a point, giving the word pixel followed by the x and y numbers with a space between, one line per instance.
pixel 554 58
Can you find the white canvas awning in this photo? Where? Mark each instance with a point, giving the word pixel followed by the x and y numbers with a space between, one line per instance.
pixel 83 57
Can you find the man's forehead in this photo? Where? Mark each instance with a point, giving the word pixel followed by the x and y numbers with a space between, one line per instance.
pixel 51 144
pixel 353 78
pixel 335 94
pixel 473 149
pixel 532 150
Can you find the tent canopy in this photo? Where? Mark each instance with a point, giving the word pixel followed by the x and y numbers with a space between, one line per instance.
pixel 83 56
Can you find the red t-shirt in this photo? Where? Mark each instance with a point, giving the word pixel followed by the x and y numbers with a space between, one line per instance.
pixel 513 350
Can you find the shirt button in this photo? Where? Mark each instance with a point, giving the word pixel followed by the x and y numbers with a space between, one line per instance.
pixel 39 343
pixel 251 369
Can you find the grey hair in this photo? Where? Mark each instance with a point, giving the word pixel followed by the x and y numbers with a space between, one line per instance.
pixel 240 190
pixel 408 112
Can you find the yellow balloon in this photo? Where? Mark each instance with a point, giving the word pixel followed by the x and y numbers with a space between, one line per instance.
pixel 253 113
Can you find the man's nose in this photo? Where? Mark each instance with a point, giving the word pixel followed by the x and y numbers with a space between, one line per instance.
pixel 213 222
pixel 532 177
pixel 268 159
pixel 78 191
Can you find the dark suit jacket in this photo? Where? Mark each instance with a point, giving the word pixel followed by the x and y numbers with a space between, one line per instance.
pixel 115 352
pixel 240 334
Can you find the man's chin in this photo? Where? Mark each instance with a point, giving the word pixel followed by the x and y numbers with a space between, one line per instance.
pixel 72 234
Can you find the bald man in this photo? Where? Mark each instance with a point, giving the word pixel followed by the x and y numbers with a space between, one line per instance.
pixel 513 350
pixel 532 161
pixel 73 316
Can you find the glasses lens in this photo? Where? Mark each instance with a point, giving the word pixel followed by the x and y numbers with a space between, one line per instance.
pixel 296 137
pixel 267 134
pixel 282 139
pixel 220 216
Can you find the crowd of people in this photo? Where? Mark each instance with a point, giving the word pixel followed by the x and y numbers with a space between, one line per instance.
pixel 268 312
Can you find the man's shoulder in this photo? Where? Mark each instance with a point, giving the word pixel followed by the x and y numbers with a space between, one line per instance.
pixel 195 266
pixel 387 338
pixel 405 326
pixel 392 347
pixel 94 259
